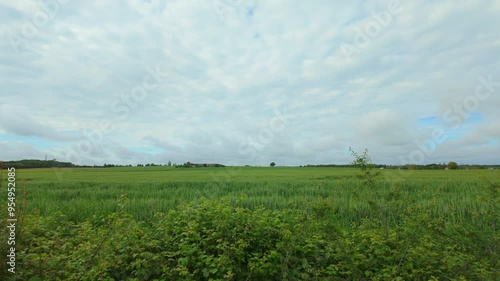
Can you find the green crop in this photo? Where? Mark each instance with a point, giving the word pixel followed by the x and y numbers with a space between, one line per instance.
pixel 249 223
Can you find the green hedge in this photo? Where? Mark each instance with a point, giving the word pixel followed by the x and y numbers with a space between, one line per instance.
pixel 213 240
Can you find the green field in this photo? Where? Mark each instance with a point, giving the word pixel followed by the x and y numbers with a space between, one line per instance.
pixel 254 223
pixel 83 192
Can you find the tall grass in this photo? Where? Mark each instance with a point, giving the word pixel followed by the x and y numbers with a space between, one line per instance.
pixel 326 222
pixel 455 200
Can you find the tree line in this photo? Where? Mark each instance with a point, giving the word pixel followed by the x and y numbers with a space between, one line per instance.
pixel 34 163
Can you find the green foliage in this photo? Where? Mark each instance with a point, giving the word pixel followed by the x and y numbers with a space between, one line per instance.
pixel 212 240
pixel 33 163
pixel 366 166
pixel 452 165
pixel 328 227
pixel 87 192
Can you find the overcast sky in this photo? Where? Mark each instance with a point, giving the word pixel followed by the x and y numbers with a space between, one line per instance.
pixel 250 81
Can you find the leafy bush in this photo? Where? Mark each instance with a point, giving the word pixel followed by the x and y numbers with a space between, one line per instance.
pixel 216 240
pixel 212 240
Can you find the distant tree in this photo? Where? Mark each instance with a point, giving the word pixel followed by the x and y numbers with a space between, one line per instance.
pixel 272 164
pixel 412 167
pixel 452 165
pixel 169 163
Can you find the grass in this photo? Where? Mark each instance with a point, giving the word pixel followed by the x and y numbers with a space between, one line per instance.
pixel 315 224
pixel 82 193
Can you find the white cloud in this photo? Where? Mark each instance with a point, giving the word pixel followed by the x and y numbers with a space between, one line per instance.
pixel 227 74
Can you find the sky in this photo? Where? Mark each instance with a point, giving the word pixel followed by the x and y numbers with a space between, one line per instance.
pixel 249 82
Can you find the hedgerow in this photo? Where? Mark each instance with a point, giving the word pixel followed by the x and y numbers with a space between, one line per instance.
pixel 212 240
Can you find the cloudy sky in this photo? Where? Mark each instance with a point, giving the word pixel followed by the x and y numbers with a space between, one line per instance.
pixel 250 81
